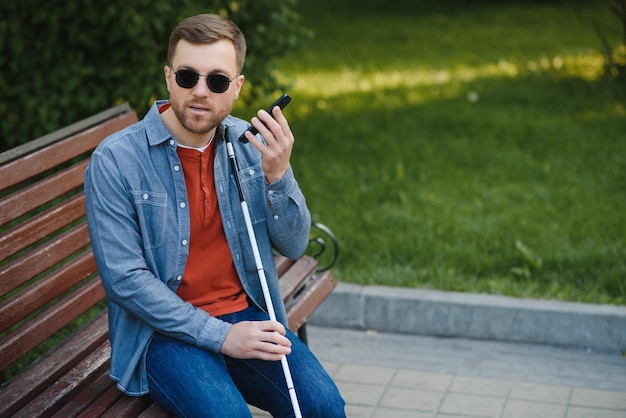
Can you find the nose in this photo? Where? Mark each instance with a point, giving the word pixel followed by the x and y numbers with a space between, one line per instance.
pixel 201 88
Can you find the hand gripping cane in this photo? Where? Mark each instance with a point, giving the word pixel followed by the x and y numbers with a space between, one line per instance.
pixel 261 272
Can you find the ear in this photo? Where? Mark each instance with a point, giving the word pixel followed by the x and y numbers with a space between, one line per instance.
pixel 166 70
pixel 239 84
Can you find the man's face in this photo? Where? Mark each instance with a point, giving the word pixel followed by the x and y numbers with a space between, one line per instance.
pixel 198 109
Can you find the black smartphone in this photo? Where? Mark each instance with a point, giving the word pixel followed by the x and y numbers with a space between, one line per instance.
pixel 282 101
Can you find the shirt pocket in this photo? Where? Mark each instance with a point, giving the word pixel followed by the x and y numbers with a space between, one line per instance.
pixel 253 187
pixel 151 214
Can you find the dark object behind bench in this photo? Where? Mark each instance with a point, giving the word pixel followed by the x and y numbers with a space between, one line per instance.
pixel 54 349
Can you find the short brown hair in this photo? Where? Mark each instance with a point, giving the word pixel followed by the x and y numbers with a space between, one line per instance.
pixel 208 28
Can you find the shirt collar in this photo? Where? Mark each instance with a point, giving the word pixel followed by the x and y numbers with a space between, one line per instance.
pixel 155 129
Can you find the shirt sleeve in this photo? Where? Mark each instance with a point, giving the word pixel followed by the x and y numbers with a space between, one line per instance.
pixel 289 220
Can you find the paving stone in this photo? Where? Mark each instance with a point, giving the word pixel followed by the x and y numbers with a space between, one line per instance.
pixel 480 386
pixel 359 411
pixel 528 409
pixel 599 398
pixel 398 413
pixel 540 393
pixel 420 380
pixel 580 412
pixel 362 394
pixel 471 405
pixel 365 374
pixel 401 398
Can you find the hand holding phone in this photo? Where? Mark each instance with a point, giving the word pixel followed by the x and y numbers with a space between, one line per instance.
pixel 282 101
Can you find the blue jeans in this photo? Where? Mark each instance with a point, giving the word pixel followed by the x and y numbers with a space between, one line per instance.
pixel 192 382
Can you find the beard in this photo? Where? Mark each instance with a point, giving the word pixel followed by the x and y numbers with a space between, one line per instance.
pixel 199 124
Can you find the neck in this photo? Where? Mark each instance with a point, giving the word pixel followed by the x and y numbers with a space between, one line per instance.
pixel 195 141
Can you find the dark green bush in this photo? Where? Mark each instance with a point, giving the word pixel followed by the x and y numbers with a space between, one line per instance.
pixel 63 61
pixel 615 59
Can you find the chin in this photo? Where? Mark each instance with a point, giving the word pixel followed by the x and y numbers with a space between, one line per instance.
pixel 199 126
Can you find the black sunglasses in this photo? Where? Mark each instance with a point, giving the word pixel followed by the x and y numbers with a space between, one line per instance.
pixel 187 79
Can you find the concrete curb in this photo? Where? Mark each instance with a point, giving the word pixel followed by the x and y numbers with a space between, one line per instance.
pixel 477 316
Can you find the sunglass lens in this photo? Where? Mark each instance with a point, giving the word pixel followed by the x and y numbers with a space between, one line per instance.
pixel 186 78
pixel 217 83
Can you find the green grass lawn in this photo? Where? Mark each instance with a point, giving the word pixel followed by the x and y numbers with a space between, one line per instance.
pixel 466 146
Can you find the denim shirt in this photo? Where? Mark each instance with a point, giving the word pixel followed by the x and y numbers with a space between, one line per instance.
pixel 138 222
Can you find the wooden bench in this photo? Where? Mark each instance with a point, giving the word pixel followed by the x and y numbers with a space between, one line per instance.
pixel 54 348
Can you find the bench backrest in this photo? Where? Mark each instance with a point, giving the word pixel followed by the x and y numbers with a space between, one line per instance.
pixel 48 275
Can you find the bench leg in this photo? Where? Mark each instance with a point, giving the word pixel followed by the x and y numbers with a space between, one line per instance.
pixel 302 334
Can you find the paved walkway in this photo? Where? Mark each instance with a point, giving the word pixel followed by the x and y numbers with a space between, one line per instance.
pixel 393 375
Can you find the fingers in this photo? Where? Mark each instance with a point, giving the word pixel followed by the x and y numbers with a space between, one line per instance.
pixel 277 115
pixel 263 340
pixel 275 130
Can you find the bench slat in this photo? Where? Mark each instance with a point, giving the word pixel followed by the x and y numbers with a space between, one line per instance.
pixel 99 406
pixel 44 257
pixel 155 411
pixel 44 373
pixel 128 407
pixel 317 290
pixel 44 191
pixel 79 403
pixel 52 398
pixel 42 225
pixel 25 338
pixel 45 290
pixel 282 264
pixel 52 155
pixel 292 279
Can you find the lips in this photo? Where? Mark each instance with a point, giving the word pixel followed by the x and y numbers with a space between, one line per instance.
pixel 198 108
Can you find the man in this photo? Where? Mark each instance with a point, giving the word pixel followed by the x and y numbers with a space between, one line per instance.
pixel 187 318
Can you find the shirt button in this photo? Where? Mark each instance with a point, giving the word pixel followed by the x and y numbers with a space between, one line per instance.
pixel 270 192
pixel 171 142
pixel 176 168
pixel 276 217
pixel 145 196
pixel 182 204
pixel 251 172
pixel 179 278
pixel 184 242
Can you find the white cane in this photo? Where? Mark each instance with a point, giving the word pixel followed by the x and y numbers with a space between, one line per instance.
pixel 261 272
